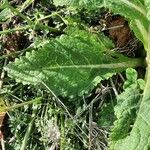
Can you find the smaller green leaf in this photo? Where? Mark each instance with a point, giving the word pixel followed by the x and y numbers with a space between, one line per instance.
pixel 141 83
pixel 131 74
pixel 4 14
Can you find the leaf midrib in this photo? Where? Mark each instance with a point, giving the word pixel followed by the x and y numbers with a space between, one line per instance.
pixel 131 63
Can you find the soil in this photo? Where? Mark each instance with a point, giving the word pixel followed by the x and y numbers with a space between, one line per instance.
pixel 119 31
pixel 124 39
pixel 13 41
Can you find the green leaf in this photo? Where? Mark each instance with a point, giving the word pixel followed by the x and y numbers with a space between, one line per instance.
pixel 106 115
pixel 130 9
pixel 4 14
pixel 125 110
pixel 135 11
pixel 141 83
pixel 132 127
pixel 72 64
pixel 90 4
pixel 147 4
pixel 131 75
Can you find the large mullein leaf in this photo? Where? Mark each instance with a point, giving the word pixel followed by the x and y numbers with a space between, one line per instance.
pixel 131 9
pixel 71 64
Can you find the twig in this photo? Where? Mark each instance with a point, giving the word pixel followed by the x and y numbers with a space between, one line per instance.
pixel 121 76
pixel 16 53
pixel 2 144
pixel 36 100
pixel 2 74
pixel 26 4
pixel 113 87
pixel 88 106
pixel 90 127
pixel 22 28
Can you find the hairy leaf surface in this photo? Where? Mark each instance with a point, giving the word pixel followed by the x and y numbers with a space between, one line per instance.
pixel 4 14
pixel 126 106
pixel 147 4
pixel 132 128
pixel 72 64
pixel 90 4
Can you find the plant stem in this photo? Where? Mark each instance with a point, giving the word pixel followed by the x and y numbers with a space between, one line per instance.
pixel 62 140
pixel 16 53
pixel 146 94
pixel 54 14
pixel 19 14
pixel 2 74
pixel 28 132
pixel 91 141
pixel 30 22
pixel 36 100
pixel 2 144
pixel 26 4
pixel 16 29
pixel 113 87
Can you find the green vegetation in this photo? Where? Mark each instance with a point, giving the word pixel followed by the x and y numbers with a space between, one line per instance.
pixel 64 86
